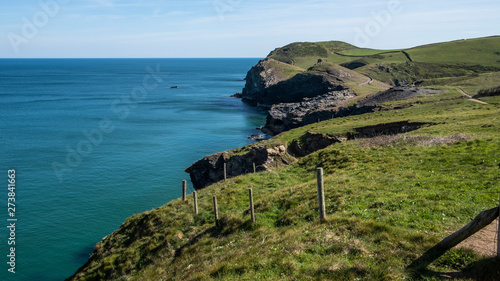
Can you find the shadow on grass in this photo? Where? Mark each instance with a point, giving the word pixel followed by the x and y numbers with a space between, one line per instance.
pixel 484 270
pixel 226 226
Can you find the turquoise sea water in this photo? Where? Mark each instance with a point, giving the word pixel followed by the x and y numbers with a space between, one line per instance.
pixel 94 141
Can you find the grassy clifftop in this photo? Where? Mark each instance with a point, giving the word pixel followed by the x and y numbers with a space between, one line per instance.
pixel 389 199
pixel 461 58
pixel 403 178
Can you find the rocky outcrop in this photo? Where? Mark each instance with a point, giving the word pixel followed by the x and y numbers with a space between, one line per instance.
pixel 488 92
pixel 266 86
pixel 260 77
pixel 286 116
pixel 210 169
pixel 304 98
pixel 386 129
pixel 392 94
pixel 311 142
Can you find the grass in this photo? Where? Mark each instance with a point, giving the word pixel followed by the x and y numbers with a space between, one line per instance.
pixel 479 51
pixel 434 64
pixel 389 199
pixel 352 79
pixel 366 52
pixel 283 71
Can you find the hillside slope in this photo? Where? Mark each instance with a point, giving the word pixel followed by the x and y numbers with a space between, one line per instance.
pixel 303 82
pixel 398 179
pixel 389 198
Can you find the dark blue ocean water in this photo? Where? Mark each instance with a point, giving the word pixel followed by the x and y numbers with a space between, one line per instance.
pixel 94 141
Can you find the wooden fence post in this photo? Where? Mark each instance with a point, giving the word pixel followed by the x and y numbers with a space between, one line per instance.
pixel 252 210
pixel 184 184
pixel 498 233
pixel 478 223
pixel 195 197
pixel 216 212
pixel 225 171
pixel 321 193
pixel 254 167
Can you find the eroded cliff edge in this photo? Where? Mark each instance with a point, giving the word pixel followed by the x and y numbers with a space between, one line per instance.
pixel 294 97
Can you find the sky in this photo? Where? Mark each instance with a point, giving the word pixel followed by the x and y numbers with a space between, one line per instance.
pixel 230 28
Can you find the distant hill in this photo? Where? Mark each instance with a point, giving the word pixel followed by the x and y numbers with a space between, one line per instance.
pixel 324 80
pixel 478 51
pixel 418 64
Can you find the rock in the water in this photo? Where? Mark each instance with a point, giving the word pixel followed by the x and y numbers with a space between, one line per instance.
pixel 257 137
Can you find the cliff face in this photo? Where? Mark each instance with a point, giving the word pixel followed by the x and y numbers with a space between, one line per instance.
pixel 285 116
pixel 267 84
pixel 299 100
pixel 262 76
pixel 293 98
pixel 210 169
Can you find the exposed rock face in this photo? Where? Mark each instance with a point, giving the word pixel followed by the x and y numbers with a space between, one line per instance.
pixel 307 97
pixel 286 116
pixel 395 93
pixel 260 77
pixel 302 99
pixel 266 85
pixel 311 142
pixel 386 129
pixel 210 169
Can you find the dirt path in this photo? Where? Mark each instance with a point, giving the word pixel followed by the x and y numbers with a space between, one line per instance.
pixel 369 81
pixel 484 241
pixel 470 97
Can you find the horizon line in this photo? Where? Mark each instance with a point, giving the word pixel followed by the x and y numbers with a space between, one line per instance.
pixel 134 58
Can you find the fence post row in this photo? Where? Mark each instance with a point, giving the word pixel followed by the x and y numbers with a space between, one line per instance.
pixel 184 184
pixel 195 198
pixel 321 193
pixel 216 212
pixel 252 210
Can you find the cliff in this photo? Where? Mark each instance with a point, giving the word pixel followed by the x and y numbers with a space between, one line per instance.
pixel 392 180
pixel 210 169
pixel 267 84
pixel 306 97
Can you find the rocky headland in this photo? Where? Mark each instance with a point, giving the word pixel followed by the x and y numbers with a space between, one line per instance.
pixel 294 97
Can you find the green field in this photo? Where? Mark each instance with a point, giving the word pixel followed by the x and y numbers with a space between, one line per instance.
pixel 423 64
pixel 481 51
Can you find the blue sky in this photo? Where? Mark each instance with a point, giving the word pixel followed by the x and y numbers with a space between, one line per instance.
pixel 230 28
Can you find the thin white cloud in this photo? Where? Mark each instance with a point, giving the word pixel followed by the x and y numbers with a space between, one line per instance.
pixel 105 3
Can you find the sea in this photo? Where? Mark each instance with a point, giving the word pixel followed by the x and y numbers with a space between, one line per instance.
pixel 90 142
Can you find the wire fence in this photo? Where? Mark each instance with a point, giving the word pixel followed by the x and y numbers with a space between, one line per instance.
pixel 485 243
